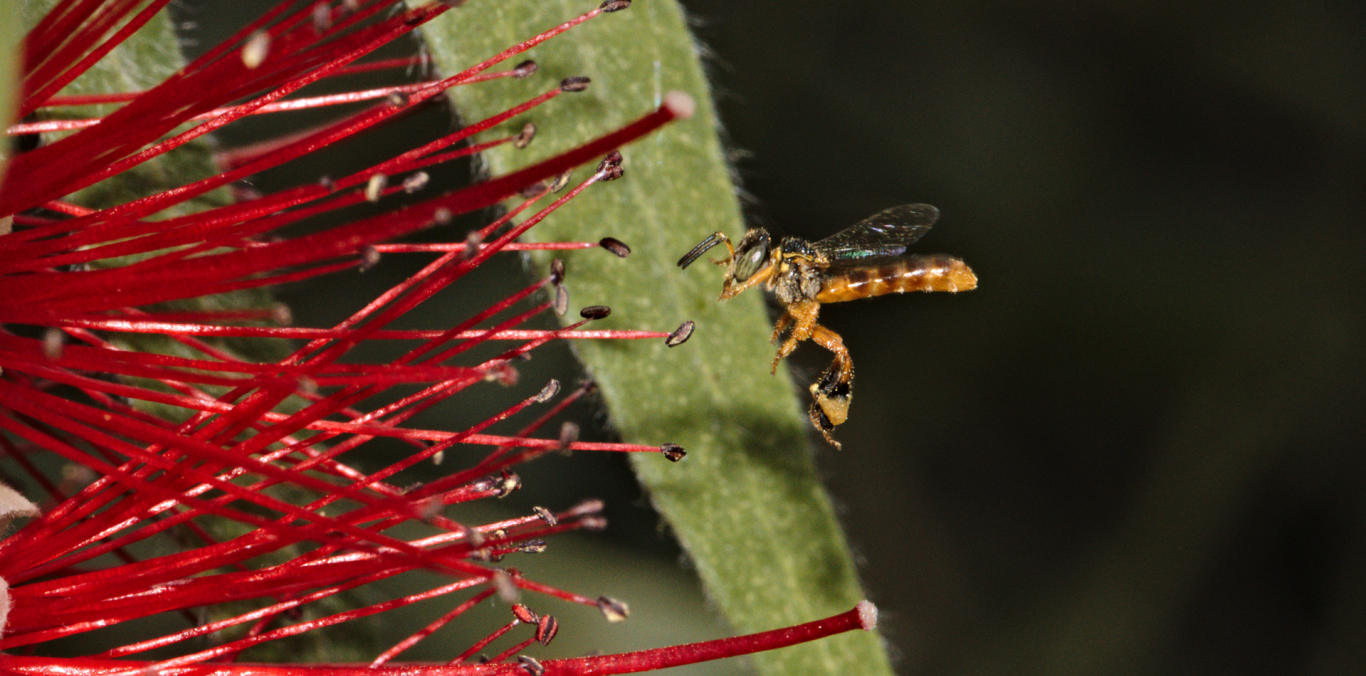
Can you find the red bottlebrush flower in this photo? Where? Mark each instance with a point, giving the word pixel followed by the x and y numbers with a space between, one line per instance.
pixel 242 516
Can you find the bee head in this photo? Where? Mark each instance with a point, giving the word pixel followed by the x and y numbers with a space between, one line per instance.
pixel 751 255
pixel 748 264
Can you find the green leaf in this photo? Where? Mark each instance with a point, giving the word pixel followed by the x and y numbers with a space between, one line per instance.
pixel 139 63
pixel 746 503
pixel 11 32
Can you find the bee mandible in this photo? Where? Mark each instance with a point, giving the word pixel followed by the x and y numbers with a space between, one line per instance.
pixel 861 261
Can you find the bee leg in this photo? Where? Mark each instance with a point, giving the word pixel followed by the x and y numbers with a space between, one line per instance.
pixel 822 424
pixel 803 316
pixel 834 390
pixel 844 364
pixel 780 326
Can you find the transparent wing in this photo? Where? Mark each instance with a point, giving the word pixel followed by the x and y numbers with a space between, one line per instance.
pixel 884 234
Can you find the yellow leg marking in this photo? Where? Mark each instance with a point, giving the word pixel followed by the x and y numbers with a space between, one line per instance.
pixel 804 315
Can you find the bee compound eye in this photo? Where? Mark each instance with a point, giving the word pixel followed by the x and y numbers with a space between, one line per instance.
pixel 751 255
pixel 749 265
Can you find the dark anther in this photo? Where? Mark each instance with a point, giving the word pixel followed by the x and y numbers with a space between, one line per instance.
pixel 610 168
pixel 502 373
pixel 322 18
pixel 561 300
pixel 532 547
pixel 595 312
pixel 612 173
pixel 369 258
pixel 546 629
pixel 673 452
pixel 530 665
pixel 680 334
pixel 507 483
pixel 616 246
pixel 327 183
pixel 255 50
pixel 525 614
pixel 574 84
pixel 52 343
pixel 246 192
pixel 374 188
pixel 524 69
pixel 473 242
pixel 546 515
pixel 561 181
pixel 614 5
pixel 416 182
pixel 569 433
pixel 551 389
pixel 524 137
pixel 612 609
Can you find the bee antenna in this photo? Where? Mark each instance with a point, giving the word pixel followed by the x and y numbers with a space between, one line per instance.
pixel 712 240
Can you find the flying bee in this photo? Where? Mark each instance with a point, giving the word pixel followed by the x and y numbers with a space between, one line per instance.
pixel 861 261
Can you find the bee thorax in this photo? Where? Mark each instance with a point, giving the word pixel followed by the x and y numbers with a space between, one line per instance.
pixel 797 282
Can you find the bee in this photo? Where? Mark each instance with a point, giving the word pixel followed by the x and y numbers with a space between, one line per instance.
pixel 861 261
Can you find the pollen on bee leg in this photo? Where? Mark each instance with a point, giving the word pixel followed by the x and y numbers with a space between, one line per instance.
pixel 833 391
pixel 830 397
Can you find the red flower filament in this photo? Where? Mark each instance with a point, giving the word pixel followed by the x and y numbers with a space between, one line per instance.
pixel 245 503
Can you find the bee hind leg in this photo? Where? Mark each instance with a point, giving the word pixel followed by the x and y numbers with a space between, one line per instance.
pixel 822 423
pixel 834 390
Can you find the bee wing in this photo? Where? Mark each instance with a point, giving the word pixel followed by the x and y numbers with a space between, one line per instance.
pixel 884 234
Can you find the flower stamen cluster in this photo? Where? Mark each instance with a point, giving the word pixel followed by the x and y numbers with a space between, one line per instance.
pixel 181 476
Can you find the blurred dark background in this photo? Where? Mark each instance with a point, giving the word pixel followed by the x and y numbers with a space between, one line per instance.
pixel 1138 446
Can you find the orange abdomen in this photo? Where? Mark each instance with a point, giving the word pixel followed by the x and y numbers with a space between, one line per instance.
pixel 912 273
